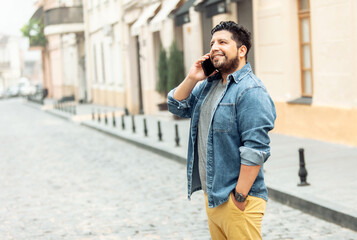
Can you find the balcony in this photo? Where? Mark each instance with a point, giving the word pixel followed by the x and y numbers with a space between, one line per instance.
pixel 63 20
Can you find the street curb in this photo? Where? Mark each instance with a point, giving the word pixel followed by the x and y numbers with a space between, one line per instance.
pixel 309 207
pixel 319 211
pixel 142 145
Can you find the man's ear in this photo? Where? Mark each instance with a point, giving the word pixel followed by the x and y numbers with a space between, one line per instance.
pixel 242 51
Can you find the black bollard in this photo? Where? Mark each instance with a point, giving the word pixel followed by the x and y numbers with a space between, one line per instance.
pixel 93 114
pixel 302 170
pixel 159 130
pixel 114 123
pixel 145 128
pixel 177 138
pixel 105 118
pixel 133 123
pixel 99 116
pixel 122 122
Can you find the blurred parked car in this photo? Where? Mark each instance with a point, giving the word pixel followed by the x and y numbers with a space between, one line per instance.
pixel 38 88
pixel 27 89
pixel 1 92
pixel 12 91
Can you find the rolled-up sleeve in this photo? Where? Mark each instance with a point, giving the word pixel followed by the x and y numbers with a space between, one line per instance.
pixel 252 157
pixel 179 104
pixel 184 107
pixel 256 117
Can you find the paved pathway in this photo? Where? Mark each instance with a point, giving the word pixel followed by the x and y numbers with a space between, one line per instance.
pixel 59 180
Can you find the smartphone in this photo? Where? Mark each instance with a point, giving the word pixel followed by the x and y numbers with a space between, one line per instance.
pixel 208 67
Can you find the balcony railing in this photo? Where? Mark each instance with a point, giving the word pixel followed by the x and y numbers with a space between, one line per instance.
pixel 63 15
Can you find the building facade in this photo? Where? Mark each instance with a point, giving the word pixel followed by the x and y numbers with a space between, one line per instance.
pixel 313 84
pixel 11 63
pixel 303 50
pixel 63 54
pixel 104 49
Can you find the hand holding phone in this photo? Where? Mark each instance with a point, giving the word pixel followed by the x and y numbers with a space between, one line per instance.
pixel 208 67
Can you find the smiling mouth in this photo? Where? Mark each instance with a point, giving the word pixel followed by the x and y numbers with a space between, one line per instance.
pixel 217 55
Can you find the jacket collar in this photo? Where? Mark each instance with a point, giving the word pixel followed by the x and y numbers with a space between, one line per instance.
pixel 241 73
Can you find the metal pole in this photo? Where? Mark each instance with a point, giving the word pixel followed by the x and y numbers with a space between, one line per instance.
pixel 114 123
pixel 133 123
pixel 302 170
pixel 105 118
pixel 145 128
pixel 159 130
pixel 177 138
pixel 122 122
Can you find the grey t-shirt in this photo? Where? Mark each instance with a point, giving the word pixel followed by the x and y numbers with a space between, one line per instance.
pixel 203 128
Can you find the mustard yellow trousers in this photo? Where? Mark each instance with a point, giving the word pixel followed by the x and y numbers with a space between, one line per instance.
pixel 228 222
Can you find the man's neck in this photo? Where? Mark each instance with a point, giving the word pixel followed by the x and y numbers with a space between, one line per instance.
pixel 241 64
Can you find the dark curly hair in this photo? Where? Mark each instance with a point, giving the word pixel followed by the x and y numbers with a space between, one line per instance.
pixel 240 34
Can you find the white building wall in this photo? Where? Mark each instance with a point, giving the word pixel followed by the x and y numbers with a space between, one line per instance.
pixel 103 27
pixel 192 38
pixel 277 47
pixel 10 53
pixel 334 52
pixel 70 60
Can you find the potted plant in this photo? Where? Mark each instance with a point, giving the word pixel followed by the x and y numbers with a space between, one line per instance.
pixel 161 85
pixel 175 68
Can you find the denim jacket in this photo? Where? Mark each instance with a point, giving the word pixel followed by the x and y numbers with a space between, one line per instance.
pixel 238 133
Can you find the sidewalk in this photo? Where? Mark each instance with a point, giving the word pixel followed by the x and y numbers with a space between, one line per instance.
pixel 331 196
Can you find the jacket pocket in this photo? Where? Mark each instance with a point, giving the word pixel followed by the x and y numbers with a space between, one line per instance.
pixel 223 117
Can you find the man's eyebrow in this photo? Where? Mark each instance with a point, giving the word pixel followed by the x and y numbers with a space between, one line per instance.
pixel 218 39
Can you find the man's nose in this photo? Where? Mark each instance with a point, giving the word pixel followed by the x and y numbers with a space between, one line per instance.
pixel 214 48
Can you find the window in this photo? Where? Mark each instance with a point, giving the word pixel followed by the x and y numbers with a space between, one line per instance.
pixel 89 6
pixel 305 48
pixel 95 65
pixel 103 65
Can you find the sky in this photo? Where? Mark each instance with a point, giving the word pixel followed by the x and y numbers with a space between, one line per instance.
pixel 14 14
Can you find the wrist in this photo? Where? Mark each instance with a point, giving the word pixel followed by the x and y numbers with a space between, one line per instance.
pixel 192 80
pixel 239 197
pixel 244 193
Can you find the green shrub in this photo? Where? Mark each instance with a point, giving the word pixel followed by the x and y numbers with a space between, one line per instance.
pixel 161 85
pixel 34 31
pixel 176 69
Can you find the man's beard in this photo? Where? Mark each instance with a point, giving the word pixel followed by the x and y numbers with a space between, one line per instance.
pixel 227 66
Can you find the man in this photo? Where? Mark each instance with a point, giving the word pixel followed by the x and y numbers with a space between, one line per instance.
pixel 231 114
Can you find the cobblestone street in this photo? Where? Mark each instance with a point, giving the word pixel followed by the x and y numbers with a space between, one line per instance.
pixel 59 180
